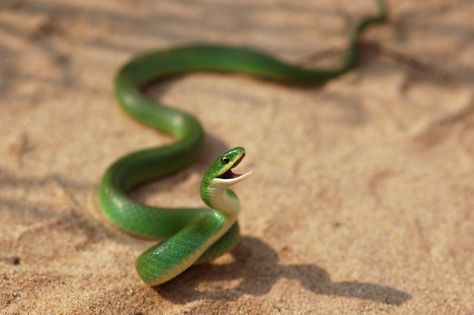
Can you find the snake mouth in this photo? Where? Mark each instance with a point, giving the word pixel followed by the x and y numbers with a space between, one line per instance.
pixel 229 177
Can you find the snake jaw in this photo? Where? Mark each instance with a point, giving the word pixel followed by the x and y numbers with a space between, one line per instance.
pixel 229 177
pixel 232 179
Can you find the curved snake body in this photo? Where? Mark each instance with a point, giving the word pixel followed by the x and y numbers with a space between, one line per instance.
pixel 191 235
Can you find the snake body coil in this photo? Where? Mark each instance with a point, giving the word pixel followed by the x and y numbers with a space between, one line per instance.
pixel 191 235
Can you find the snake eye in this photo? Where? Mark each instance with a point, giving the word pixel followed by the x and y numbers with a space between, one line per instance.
pixel 225 160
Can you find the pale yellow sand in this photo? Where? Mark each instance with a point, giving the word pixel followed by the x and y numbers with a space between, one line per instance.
pixel 362 196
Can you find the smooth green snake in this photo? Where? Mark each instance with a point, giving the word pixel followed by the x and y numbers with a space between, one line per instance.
pixel 192 235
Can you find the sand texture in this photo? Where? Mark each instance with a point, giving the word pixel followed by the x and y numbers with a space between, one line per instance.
pixel 362 196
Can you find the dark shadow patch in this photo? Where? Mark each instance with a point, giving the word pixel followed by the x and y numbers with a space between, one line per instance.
pixel 14 260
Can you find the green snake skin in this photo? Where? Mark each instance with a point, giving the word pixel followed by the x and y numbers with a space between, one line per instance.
pixel 192 235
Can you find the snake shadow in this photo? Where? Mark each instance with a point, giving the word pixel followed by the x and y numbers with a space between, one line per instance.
pixel 256 268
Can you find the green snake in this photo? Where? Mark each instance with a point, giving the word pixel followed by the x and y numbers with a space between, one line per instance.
pixel 192 235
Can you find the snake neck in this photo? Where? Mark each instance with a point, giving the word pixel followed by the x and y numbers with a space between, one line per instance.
pixel 221 199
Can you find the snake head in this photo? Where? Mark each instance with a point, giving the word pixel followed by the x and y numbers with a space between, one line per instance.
pixel 219 176
pixel 220 172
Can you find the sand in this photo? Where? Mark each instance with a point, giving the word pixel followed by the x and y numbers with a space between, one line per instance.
pixel 362 195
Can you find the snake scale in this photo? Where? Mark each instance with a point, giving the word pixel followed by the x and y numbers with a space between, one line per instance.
pixel 192 235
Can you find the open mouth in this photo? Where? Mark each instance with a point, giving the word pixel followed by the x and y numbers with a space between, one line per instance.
pixel 230 177
pixel 229 174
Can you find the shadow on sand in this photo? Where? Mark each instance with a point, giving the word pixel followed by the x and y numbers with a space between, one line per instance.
pixel 257 268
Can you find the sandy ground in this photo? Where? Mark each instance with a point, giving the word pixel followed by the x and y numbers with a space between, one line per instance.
pixel 362 194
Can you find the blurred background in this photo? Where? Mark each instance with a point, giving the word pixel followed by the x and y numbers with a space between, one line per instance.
pixel 361 199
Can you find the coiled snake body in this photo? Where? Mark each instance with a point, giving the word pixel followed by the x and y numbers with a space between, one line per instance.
pixel 191 235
